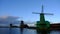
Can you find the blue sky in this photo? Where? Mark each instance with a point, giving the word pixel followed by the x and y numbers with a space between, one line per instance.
pixel 24 9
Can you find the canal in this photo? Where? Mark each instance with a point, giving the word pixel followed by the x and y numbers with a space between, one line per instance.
pixel 25 31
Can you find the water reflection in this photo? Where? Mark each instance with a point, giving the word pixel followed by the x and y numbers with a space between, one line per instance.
pixel 42 32
pixel 21 30
pixel 10 30
pixel 37 31
pixel 26 31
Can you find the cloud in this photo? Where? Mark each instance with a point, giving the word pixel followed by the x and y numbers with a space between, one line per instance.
pixel 4 17
pixel 8 19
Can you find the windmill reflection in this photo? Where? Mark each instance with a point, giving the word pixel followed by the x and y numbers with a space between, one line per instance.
pixel 42 32
pixel 21 30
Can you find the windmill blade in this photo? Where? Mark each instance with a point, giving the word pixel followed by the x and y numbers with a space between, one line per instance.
pixel 42 13
pixel 48 14
pixel 35 13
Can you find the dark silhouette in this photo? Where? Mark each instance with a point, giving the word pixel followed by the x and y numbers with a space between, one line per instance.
pixel 22 26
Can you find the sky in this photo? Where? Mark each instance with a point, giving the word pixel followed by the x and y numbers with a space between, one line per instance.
pixel 24 9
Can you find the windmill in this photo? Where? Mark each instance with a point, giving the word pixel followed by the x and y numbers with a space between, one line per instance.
pixel 42 23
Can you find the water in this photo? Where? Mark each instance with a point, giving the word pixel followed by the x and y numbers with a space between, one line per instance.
pixel 25 31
